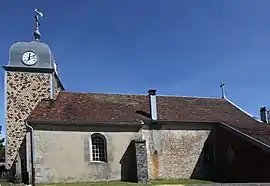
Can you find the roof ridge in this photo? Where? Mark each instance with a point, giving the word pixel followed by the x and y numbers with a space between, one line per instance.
pixel 133 94
pixel 103 93
pixel 242 110
pixel 196 97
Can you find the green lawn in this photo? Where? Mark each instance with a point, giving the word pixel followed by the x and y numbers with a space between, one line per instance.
pixel 153 182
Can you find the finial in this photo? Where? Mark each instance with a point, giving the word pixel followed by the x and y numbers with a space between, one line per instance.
pixel 222 84
pixel 37 24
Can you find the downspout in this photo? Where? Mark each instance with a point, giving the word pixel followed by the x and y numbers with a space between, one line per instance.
pixel 51 86
pixel 32 153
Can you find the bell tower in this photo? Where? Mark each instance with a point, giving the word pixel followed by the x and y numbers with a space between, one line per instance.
pixel 30 75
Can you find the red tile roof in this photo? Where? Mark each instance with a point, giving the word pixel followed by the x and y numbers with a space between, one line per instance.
pixel 122 108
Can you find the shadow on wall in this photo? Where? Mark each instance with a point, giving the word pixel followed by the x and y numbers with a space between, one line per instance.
pixel 22 154
pixel 10 175
pixel 227 157
pixel 203 170
pixel 230 157
pixel 239 158
pixel 205 166
pixel 128 164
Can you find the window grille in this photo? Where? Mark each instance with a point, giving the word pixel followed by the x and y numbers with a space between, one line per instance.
pixel 99 147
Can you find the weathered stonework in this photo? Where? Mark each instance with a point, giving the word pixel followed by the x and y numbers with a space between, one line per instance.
pixel 141 161
pixel 23 91
pixel 173 154
pixel 56 87
pixel 166 154
pixel 63 156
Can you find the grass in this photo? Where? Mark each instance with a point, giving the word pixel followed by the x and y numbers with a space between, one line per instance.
pixel 153 182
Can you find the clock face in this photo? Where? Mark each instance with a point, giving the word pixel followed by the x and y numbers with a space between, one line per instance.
pixel 29 58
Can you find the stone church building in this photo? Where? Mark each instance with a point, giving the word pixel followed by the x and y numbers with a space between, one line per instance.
pixel 56 136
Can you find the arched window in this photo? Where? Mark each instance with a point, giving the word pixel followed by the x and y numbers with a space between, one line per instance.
pixel 99 147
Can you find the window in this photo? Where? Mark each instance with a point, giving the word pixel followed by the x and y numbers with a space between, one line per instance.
pixel 99 148
pixel 208 154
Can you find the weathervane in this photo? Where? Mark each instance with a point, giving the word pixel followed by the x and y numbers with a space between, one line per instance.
pixel 222 89
pixel 36 32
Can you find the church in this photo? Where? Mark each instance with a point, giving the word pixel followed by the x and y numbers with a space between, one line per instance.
pixel 56 136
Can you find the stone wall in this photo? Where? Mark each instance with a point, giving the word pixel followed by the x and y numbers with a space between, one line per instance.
pixel 128 164
pixel 240 159
pixel 56 87
pixel 64 156
pixel 134 167
pixel 23 91
pixel 141 161
pixel 174 151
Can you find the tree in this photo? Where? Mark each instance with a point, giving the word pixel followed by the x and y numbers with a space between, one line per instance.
pixel 2 147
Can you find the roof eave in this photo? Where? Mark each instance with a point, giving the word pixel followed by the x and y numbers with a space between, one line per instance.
pixel 255 141
pixel 140 122
pixel 33 122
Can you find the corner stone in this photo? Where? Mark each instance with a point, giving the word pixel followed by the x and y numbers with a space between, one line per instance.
pixel 141 160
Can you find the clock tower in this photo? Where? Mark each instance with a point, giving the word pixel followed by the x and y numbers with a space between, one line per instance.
pixel 30 76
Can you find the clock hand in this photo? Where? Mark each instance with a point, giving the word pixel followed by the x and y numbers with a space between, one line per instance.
pixel 29 56
pixel 32 56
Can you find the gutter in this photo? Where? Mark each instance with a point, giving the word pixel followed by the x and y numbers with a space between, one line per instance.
pixel 32 154
pixel 51 87
pixel 53 122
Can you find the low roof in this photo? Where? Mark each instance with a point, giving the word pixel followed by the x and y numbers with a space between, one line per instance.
pixel 70 107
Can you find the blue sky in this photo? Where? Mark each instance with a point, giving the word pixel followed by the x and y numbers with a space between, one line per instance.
pixel 179 47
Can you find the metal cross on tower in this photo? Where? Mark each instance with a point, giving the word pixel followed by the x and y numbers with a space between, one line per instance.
pixel 222 84
pixel 37 24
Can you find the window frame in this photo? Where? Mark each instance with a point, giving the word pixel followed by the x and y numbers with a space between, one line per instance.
pixel 101 136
